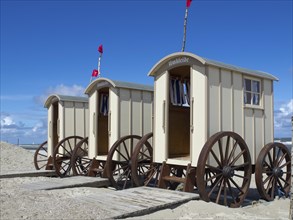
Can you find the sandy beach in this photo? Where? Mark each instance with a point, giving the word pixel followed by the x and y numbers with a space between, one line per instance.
pixel 17 202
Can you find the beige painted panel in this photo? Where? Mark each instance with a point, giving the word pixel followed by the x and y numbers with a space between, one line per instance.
pixel 86 116
pixel 61 121
pixel 113 116
pixel 249 128
pixel 214 100
pixel 268 108
pixel 226 105
pixel 125 112
pixel 50 130
pixel 238 104
pixel 79 119
pixel 147 112
pixel 92 143
pixel 259 133
pixel 69 119
pixel 136 116
pixel 160 116
pixel 198 109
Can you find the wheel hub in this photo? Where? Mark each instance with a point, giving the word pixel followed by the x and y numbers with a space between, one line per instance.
pixel 228 172
pixel 278 172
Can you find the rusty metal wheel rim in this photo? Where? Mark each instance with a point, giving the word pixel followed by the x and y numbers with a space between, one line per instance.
pixel 62 155
pixel 273 171
pixel 80 162
pixel 41 156
pixel 119 171
pixel 224 179
pixel 141 161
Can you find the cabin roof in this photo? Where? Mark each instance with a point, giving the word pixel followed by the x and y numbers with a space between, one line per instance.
pixel 206 61
pixel 57 98
pixel 104 82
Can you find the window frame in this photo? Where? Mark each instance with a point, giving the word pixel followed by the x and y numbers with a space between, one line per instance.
pixel 251 105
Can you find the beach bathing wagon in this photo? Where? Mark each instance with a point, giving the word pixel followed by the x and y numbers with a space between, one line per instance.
pixel 120 114
pixel 67 125
pixel 212 123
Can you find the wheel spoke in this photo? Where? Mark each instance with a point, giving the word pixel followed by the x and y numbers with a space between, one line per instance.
pixel 285 164
pixel 235 184
pixel 231 191
pixel 126 150
pixel 232 152
pixel 121 154
pixel 270 159
pixel 218 181
pixel 237 157
pixel 43 155
pixel 220 191
pixel 281 159
pixel 221 150
pixel 227 149
pixel 69 145
pixel 216 158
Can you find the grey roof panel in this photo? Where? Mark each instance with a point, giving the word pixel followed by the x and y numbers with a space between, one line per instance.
pixel 55 97
pixel 240 69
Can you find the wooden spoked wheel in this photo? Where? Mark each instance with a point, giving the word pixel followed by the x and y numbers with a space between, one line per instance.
pixel 79 160
pixel 118 164
pixel 273 171
pixel 142 161
pixel 41 156
pixel 224 169
pixel 62 155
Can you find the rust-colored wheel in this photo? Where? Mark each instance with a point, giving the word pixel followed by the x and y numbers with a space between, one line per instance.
pixel 224 169
pixel 41 156
pixel 142 161
pixel 79 160
pixel 62 155
pixel 118 164
pixel 273 171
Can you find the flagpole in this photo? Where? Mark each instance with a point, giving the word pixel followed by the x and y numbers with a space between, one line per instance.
pixel 184 30
pixel 99 63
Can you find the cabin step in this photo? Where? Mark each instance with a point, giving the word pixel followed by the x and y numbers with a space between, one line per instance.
pixel 94 168
pixel 169 180
pixel 174 179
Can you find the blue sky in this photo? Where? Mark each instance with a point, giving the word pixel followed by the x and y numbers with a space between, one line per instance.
pixel 51 47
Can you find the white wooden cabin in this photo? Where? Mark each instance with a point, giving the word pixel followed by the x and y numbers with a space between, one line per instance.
pixel 117 109
pixel 195 97
pixel 67 116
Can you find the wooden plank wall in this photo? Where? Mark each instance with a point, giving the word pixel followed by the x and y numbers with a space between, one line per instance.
pixel 228 113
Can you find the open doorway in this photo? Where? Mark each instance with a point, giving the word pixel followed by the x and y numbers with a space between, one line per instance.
pixel 55 124
pixel 179 113
pixel 103 108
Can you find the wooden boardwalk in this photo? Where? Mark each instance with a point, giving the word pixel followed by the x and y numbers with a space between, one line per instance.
pixel 137 201
pixel 68 182
pixel 33 173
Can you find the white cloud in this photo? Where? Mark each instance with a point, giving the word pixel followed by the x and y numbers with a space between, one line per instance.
pixel 13 130
pixel 6 121
pixel 282 120
pixel 74 90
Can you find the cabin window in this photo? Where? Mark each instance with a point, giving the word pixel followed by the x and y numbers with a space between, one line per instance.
pixel 104 104
pixel 179 91
pixel 252 92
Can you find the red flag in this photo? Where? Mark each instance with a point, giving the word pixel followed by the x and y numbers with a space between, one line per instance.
pixel 95 73
pixel 188 3
pixel 100 49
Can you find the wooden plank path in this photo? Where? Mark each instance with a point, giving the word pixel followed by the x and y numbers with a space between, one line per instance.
pixel 32 173
pixel 68 182
pixel 137 201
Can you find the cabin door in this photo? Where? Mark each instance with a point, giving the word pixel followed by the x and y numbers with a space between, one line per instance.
pixel 198 111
